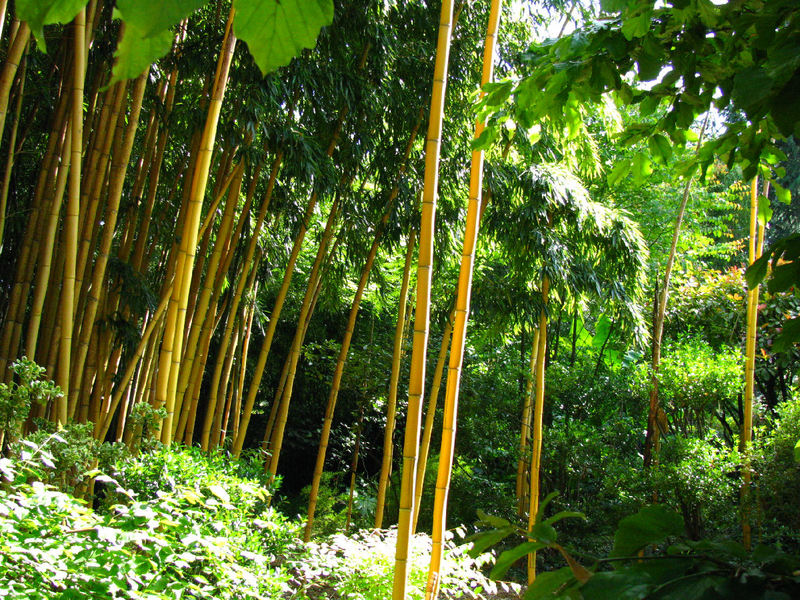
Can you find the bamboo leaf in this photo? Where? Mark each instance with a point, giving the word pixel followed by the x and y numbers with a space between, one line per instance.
pixel 492 520
pixel 564 514
pixel 509 557
pixel 38 13
pixel 543 505
pixel 276 31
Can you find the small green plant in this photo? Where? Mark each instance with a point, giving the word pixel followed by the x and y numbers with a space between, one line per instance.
pixel 144 421
pixel 16 398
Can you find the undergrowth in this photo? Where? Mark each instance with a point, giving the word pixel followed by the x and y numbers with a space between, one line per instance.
pixel 177 523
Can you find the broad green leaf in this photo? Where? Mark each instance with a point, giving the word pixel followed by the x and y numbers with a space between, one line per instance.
pixel 543 532
pixel 797 452
pixel 660 148
pixel 38 13
pixel 497 93
pixel 642 168
pixel 636 27
pixel 601 330
pixel 135 53
pixel 614 5
pixel 620 170
pixel 651 525
pixel 756 272
pixel 509 557
pixel 548 583
pixel 620 585
pixel 482 541
pixel 781 193
pixel 276 31
pixel 789 336
pixel 784 276
pixel 153 17
pixel 486 138
pixel 764 210
pixel 492 520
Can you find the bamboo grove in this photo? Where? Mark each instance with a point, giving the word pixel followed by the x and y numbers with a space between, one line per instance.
pixel 179 233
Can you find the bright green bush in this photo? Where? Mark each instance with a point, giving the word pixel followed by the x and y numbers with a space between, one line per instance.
pixel 182 543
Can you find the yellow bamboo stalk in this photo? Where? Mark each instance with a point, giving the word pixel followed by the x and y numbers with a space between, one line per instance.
pixel 116 181
pixel 101 425
pixel 391 403
pixel 203 318
pixel 15 314
pixel 525 433
pixel 237 408
pixel 44 263
pixel 72 218
pixel 538 412
pixel 242 281
pixel 9 71
pixel 173 335
pixel 460 326
pixel 422 312
pixel 276 401
pixel 754 250
pixel 155 174
pixel 12 140
pixel 430 416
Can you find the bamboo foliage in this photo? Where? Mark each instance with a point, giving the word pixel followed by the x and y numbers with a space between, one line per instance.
pixel 422 311
pixel 348 336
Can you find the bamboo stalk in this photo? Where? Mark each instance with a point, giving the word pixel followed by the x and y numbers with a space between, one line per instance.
pixel 276 440
pixel 538 412
pixel 755 248
pixel 430 415
pixel 525 433
pixel 72 218
pixel 348 336
pixel 460 325
pixel 172 348
pixel 391 403
pixel 116 181
pixel 287 278
pixel 422 313
pixel 12 140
